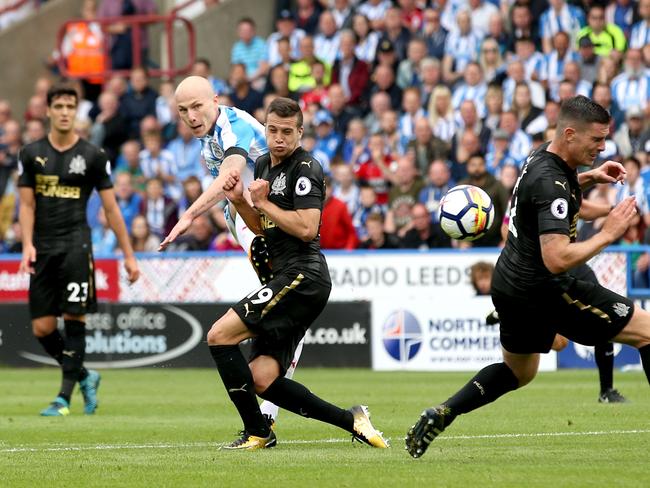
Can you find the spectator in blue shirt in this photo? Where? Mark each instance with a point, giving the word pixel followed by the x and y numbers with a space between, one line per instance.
pixel 127 198
pixel 327 140
pixel 250 50
pixel 439 182
pixel 186 150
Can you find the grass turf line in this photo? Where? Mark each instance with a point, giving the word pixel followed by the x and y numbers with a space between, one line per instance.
pixel 551 433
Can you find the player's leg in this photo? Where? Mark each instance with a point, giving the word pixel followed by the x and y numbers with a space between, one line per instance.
pixel 223 339
pixel 47 333
pixel 595 315
pixel 44 307
pixel 77 278
pixel 270 409
pixel 637 334
pixel 524 333
pixel 259 256
pixel 604 356
pixel 296 305
pixel 603 351
pixel 45 330
pixel 297 398
pixel 486 386
pixel 255 245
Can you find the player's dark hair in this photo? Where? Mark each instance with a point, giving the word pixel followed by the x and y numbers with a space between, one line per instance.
pixel 581 110
pixel 61 90
pixel 285 107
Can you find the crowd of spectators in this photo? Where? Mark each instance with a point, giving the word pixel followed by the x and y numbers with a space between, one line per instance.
pixel 402 100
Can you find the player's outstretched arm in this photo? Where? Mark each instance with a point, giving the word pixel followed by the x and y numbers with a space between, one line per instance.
pixel 608 172
pixel 234 189
pixel 116 223
pixel 300 223
pixel 560 254
pixel 26 220
pixel 213 194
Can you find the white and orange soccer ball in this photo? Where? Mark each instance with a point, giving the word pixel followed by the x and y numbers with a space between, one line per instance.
pixel 466 213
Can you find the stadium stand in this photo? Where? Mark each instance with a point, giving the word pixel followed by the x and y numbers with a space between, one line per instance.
pixel 395 94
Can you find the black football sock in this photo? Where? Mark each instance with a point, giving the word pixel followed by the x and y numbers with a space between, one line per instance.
pixel 296 398
pixel 645 360
pixel 53 344
pixel 604 355
pixel 238 380
pixel 74 351
pixel 489 384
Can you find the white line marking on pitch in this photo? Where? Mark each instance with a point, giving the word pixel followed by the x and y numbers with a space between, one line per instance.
pixel 108 447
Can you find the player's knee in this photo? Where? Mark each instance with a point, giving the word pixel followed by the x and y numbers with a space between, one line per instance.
pixel 262 382
pixel 526 378
pixel 524 375
pixel 42 328
pixel 265 371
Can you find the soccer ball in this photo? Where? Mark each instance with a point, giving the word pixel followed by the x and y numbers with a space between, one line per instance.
pixel 466 213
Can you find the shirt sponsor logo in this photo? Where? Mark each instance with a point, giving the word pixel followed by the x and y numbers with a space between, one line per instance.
pixel 48 186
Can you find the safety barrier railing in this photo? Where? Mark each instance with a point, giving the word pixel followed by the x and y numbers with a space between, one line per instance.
pixel 136 23
pixel 16 5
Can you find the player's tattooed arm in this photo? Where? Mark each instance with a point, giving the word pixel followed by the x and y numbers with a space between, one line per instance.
pixel 560 254
pixel 233 187
pixel 302 223
pixel 213 194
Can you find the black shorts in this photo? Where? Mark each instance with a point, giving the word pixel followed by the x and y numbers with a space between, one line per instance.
pixel 587 313
pixel 63 283
pixel 280 313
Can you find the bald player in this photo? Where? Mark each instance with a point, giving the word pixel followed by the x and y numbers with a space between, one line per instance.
pixel 231 139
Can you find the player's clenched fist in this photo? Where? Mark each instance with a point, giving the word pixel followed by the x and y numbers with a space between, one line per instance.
pixel 259 190
pixel 233 187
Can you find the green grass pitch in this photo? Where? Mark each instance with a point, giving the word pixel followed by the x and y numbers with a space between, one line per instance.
pixel 162 427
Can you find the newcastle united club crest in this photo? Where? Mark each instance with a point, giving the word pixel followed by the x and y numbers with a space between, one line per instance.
pixel 279 184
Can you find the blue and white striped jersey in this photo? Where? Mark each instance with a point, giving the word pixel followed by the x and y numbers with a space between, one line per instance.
pixel 630 92
pixel 640 35
pixel 234 129
pixel 570 19
pixel 474 93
